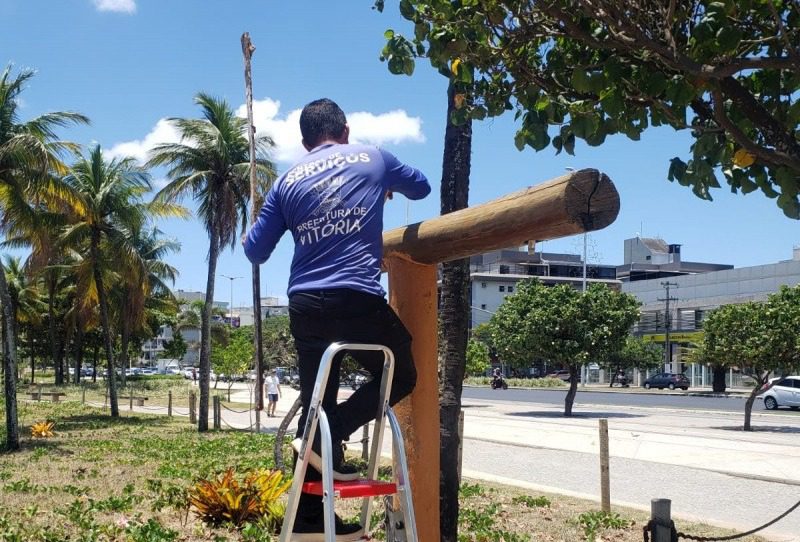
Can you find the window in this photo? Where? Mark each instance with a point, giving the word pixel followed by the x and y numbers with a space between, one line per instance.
pixel 483 306
pixel 483 285
pixel 510 289
pixel 502 288
pixel 505 269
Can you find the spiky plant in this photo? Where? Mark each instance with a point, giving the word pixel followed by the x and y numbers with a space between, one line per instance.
pixel 226 499
pixel 42 429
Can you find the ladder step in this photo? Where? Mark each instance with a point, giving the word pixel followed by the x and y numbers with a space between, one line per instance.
pixel 354 488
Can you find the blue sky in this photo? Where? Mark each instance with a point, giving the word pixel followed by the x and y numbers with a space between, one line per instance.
pixel 130 64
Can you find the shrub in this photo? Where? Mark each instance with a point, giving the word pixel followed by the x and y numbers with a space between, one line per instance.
pixel 42 430
pixel 225 499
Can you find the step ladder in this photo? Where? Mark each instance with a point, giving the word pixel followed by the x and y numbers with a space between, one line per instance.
pixel 401 524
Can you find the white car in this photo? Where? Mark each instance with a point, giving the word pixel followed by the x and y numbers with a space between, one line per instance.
pixel 782 392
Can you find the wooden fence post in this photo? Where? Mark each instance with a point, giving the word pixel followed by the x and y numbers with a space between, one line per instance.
pixel 365 443
pixel 39 392
pixel 217 414
pixel 660 511
pixel 169 403
pixel 130 404
pixel 605 489
pixel 83 393
pixel 192 413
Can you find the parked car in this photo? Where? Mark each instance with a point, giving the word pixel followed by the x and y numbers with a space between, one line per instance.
pixel 780 392
pixel 667 380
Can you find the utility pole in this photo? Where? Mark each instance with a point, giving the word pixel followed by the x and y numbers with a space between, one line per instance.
pixel 230 311
pixel 668 323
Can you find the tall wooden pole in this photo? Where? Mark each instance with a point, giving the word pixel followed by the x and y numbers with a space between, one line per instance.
pixel 247 50
pixel 413 295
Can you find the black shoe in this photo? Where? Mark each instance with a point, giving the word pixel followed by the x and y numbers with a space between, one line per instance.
pixel 306 530
pixel 341 470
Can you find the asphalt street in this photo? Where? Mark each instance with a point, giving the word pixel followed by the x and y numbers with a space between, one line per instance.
pixel 700 459
pixel 653 398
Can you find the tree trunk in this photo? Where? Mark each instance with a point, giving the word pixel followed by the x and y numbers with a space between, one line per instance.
pixel 78 352
pixel 281 433
pixel 205 336
pixel 718 381
pixel 33 359
pixel 101 296
pixel 51 296
pixel 94 362
pixel 123 351
pixel 761 379
pixel 9 365
pixel 455 319
pixel 574 371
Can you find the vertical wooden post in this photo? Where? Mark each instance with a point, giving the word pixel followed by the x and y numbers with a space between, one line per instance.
pixel 660 510
pixel 217 415
pixel 130 405
pixel 192 413
pixel 39 392
pixel 365 443
pixel 83 393
pixel 169 403
pixel 605 488
pixel 413 295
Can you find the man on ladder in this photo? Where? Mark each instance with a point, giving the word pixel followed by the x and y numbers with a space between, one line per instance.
pixel 332 202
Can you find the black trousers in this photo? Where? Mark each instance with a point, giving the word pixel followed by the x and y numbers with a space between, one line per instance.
pixel 319 318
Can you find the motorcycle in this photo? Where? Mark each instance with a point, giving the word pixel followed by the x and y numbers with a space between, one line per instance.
pixel 498 382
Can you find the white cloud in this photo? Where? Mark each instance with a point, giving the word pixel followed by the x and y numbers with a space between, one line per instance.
pixel 116 6
pixel 163 132
pixel 393 127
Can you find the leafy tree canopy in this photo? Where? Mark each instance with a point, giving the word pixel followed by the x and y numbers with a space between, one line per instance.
pixel 562 324
pixel 635 353
pixel 477 357
pixel 727 71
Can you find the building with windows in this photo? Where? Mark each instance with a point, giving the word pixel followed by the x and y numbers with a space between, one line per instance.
pixel 495 275
pixel 652 258
pixel 692 295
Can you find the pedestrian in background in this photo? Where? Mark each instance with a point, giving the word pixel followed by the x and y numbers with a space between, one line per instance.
pixel 273 388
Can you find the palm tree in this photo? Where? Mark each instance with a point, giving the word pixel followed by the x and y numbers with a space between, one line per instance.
pixel 211 163
pixel 29 164
pixel 110 207
pixel 27 306
pixel 145 282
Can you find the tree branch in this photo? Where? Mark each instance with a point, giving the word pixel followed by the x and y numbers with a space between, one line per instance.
pixel 765 155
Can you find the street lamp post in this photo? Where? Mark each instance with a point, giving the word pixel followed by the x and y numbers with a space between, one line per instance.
pixel 230 310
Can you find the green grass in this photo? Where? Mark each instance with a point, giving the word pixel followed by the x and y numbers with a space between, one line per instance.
pixel 100 479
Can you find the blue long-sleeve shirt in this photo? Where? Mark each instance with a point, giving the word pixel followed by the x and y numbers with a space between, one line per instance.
pixel 332 203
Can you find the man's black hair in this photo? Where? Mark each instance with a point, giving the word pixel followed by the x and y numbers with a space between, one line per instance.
pixel 320 120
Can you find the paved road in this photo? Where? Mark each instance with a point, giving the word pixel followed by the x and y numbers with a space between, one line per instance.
pixel 663 399
pixel 699 459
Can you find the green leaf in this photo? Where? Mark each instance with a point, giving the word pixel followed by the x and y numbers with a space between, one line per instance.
pixel 389 34
pixel 612 102
pixel 677 169
pixel 580 80
pixel 519 140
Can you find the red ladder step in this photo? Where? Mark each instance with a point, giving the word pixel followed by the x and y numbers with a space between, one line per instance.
pixel 354 488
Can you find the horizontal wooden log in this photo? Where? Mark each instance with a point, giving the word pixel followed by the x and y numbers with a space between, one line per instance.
pixel 580 201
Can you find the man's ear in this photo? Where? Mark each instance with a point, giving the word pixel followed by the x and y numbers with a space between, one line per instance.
pixel 345 138
pixel 307 146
